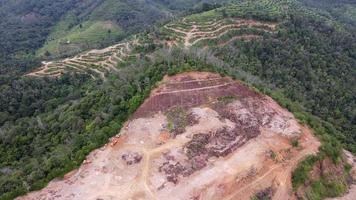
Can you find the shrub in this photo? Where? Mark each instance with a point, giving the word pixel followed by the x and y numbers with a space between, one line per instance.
pixel 294 142
pixel 301 173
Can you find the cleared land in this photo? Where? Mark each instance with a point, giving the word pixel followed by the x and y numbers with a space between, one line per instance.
pixel 99 63
pixel 198 136
pixel 96 63
pixel 192 33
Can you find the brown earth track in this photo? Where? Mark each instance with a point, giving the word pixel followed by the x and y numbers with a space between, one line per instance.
pixel 195 84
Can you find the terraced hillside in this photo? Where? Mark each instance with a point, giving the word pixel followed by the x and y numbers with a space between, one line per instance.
pixel 190 32
pixel 96 63
pixel 187 32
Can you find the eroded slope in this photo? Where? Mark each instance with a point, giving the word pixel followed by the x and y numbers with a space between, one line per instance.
pixel 198 136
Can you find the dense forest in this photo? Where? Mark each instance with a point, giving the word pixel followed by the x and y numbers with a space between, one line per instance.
pixel 49 125
pixel 342 10
pixel 23 29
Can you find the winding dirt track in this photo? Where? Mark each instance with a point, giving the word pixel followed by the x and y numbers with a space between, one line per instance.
pixel 222 153
pixel 95 62
pixel 195 34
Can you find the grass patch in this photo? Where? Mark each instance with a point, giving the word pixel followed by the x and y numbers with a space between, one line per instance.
pixel 80 37
pixel 178 119
pixel 226 99
pixel 294 142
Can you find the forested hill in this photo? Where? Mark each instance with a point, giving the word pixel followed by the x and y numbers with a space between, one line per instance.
pixel 33 30
pixel 341 10
pixel 302 53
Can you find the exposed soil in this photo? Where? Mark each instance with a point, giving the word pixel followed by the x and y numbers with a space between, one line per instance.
pixel 96 62
pixel 197 33
pixel 223 150
pixel 187 91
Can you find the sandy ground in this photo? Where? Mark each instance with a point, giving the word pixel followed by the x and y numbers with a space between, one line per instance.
pixel 225 152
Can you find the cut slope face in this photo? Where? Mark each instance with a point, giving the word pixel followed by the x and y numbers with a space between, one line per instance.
pixel 198 136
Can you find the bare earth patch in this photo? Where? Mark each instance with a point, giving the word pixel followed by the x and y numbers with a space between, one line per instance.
pixel 222 150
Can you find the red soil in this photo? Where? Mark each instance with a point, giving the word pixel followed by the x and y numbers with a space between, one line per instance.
pixel 189 90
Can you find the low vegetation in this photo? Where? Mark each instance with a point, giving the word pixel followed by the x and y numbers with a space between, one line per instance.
pixel 82 37
pixel 324 186
pixel 226 99
pixel 178 118
pixel 265 194
pixel 294 142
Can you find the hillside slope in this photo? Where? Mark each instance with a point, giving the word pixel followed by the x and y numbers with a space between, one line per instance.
pixel 30 29
pixel 270 42
pixel 200 136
